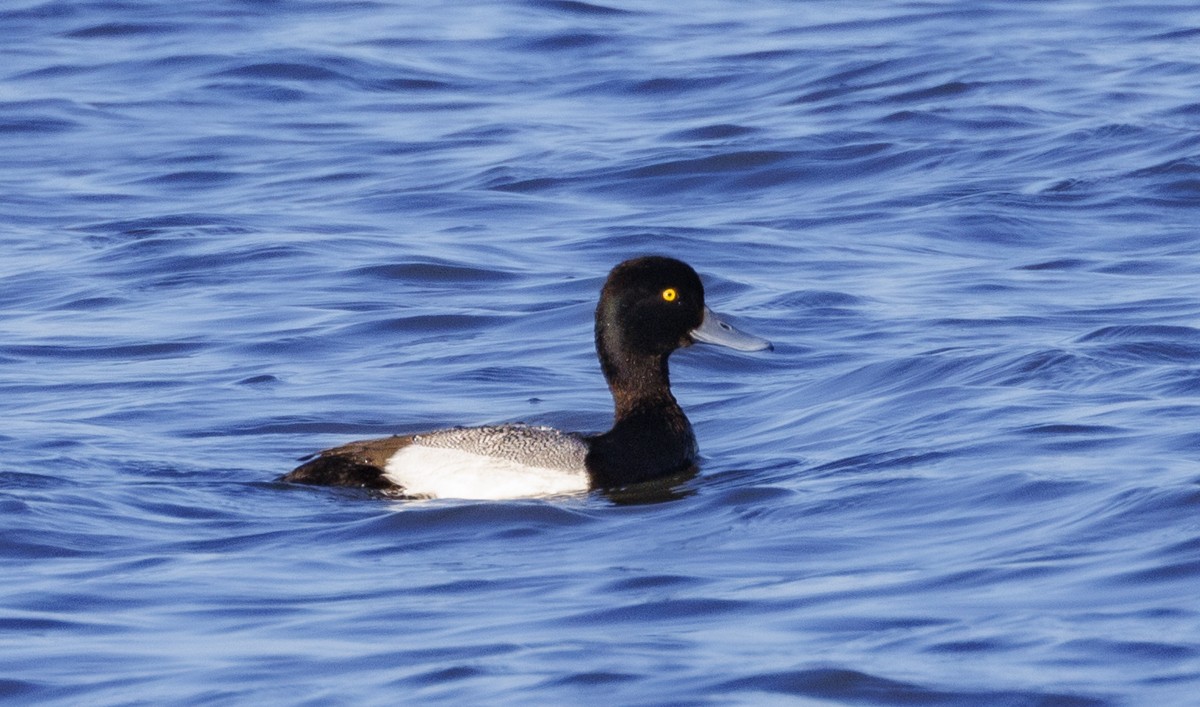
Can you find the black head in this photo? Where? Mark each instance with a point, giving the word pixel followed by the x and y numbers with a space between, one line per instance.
pixel 648 308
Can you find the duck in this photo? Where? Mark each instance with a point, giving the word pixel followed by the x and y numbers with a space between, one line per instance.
pixel 649 307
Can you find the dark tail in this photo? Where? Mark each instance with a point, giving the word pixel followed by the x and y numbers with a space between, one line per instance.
pixel 337 470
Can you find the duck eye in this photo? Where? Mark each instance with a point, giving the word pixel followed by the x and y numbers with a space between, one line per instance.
pixel 669 294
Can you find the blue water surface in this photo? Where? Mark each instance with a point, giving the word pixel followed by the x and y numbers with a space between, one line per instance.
pixel 235 232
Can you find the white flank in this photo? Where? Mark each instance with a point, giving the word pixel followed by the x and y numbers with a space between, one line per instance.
pixel 438 472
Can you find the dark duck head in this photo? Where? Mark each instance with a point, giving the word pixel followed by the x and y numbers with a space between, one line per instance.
pixel 650 307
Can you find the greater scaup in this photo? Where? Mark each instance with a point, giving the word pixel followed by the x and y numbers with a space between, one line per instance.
pixel 649 307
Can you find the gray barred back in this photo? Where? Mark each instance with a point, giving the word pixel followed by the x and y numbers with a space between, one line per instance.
pixel 525 444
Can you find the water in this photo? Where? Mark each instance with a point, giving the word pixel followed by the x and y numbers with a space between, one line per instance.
pixel 236 232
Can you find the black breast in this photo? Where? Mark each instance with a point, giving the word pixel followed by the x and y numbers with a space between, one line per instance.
pixel 641 446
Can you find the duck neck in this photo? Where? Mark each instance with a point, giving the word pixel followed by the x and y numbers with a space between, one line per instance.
pixel 638 382
pixel 650 437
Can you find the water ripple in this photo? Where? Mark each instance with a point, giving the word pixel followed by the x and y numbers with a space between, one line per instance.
pixel 966 474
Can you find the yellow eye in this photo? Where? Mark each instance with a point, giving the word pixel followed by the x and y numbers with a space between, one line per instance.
pixel 669 294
